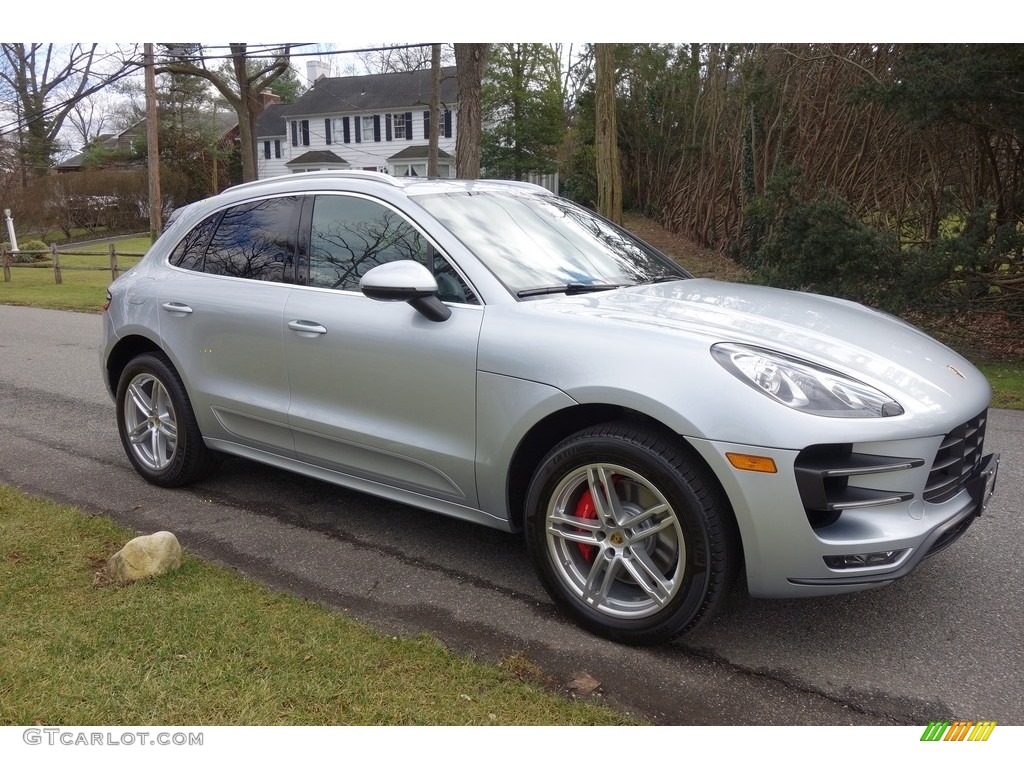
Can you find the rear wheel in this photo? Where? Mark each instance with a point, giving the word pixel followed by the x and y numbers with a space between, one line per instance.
pixel 157 426
pixel 628 534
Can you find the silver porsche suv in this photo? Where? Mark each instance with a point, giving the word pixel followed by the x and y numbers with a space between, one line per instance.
pixel 490 351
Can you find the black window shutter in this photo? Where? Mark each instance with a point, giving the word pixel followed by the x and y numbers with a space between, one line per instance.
pixel 327 129
pixel 295 134
pixel 426 125
pixel 387 126
pixel 345 130
pixel 408 125
pixel 447 123
pixel 305 133
pixel 266 150
pixel 277 148
pixel 376 127
pixel 359 129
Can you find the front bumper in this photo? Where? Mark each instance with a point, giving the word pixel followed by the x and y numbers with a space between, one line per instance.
pixel 877 528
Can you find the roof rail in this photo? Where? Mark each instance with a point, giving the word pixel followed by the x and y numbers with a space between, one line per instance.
pixel 355 173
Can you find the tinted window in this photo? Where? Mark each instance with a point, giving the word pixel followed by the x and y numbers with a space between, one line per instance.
pixel 190 251
pixel 352 235
pixel 254 240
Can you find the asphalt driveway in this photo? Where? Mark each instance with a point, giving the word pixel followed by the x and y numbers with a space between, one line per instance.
pixel 941 644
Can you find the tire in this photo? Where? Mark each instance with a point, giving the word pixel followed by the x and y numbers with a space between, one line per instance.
pixel 648 560
pixel 157 425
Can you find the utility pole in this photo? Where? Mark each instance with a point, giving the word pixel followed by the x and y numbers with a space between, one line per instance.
pixel 435 110
pixel 155 224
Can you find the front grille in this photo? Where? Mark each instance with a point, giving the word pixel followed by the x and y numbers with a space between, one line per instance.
pixel 957 461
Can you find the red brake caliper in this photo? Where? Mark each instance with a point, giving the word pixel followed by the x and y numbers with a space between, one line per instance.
pixel 585 508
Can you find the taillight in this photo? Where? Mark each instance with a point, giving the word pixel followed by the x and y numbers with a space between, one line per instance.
pixel 107 305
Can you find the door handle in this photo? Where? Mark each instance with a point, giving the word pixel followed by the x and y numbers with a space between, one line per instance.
pixel 177 307
pixel 306 328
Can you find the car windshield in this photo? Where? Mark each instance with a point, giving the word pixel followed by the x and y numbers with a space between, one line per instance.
pixel 539 244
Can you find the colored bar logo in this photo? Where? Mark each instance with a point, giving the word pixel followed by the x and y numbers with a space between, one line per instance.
pixel 958 730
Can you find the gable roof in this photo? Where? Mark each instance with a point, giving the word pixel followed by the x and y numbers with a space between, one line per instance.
pixel 317 157
pixel 419 152
pixel 271 121
pixel 105 140
pixel 373 93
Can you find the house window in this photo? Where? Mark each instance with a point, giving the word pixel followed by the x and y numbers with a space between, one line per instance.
pixel 300 129
pixel 444 170
pixel 340 130
pixel 410 169
pixel 443 124
pixel 399 123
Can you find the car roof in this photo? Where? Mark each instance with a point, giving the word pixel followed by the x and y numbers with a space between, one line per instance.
pixel 352 179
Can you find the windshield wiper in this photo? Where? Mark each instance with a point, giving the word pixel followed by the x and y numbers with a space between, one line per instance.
pixel 663 279
pixel 571 289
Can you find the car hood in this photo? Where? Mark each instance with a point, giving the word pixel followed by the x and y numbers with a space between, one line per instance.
pixel 870 345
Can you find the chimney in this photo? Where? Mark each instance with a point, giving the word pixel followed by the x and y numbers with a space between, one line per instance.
pixel 315 70
pixel 267 98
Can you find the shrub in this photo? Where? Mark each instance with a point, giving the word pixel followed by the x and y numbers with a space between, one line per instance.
pixel 821 246
pixel 29 251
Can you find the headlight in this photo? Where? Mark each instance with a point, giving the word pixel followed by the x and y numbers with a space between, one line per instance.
pixel 804 386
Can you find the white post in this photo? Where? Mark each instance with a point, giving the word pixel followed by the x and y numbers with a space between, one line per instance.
pixel 10 230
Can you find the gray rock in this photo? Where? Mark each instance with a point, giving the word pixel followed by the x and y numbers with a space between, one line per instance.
pixel 143 557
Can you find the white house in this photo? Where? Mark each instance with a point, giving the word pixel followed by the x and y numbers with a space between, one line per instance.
pixel 371 122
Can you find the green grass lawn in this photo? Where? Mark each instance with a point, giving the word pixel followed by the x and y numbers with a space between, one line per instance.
pixel 80 290
pixel 1007 380
pixel 137 245
pixel 204 645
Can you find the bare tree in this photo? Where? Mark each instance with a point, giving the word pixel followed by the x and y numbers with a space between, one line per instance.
pixel 469 62
pixel 45 81
pixel 90 116
pixel 399 57
pixel 240 85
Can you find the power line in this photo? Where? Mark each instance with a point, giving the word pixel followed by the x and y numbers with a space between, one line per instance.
pixel 135 66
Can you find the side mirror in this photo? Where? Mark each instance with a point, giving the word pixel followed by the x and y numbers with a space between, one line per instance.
pixel 409 281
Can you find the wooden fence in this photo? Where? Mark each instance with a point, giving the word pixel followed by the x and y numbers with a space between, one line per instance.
pixel 58 268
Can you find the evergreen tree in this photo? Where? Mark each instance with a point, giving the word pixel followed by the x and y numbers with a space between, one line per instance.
pixel 523 109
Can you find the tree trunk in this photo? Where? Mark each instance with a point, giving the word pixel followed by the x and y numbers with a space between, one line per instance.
pixel 246 115
pixel 609 175
pixel 435 108
pixel 469 61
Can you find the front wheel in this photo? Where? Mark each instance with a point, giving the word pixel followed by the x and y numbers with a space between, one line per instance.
pixel 629 534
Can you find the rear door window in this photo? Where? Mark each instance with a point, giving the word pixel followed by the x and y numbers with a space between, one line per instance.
pixel 254 240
